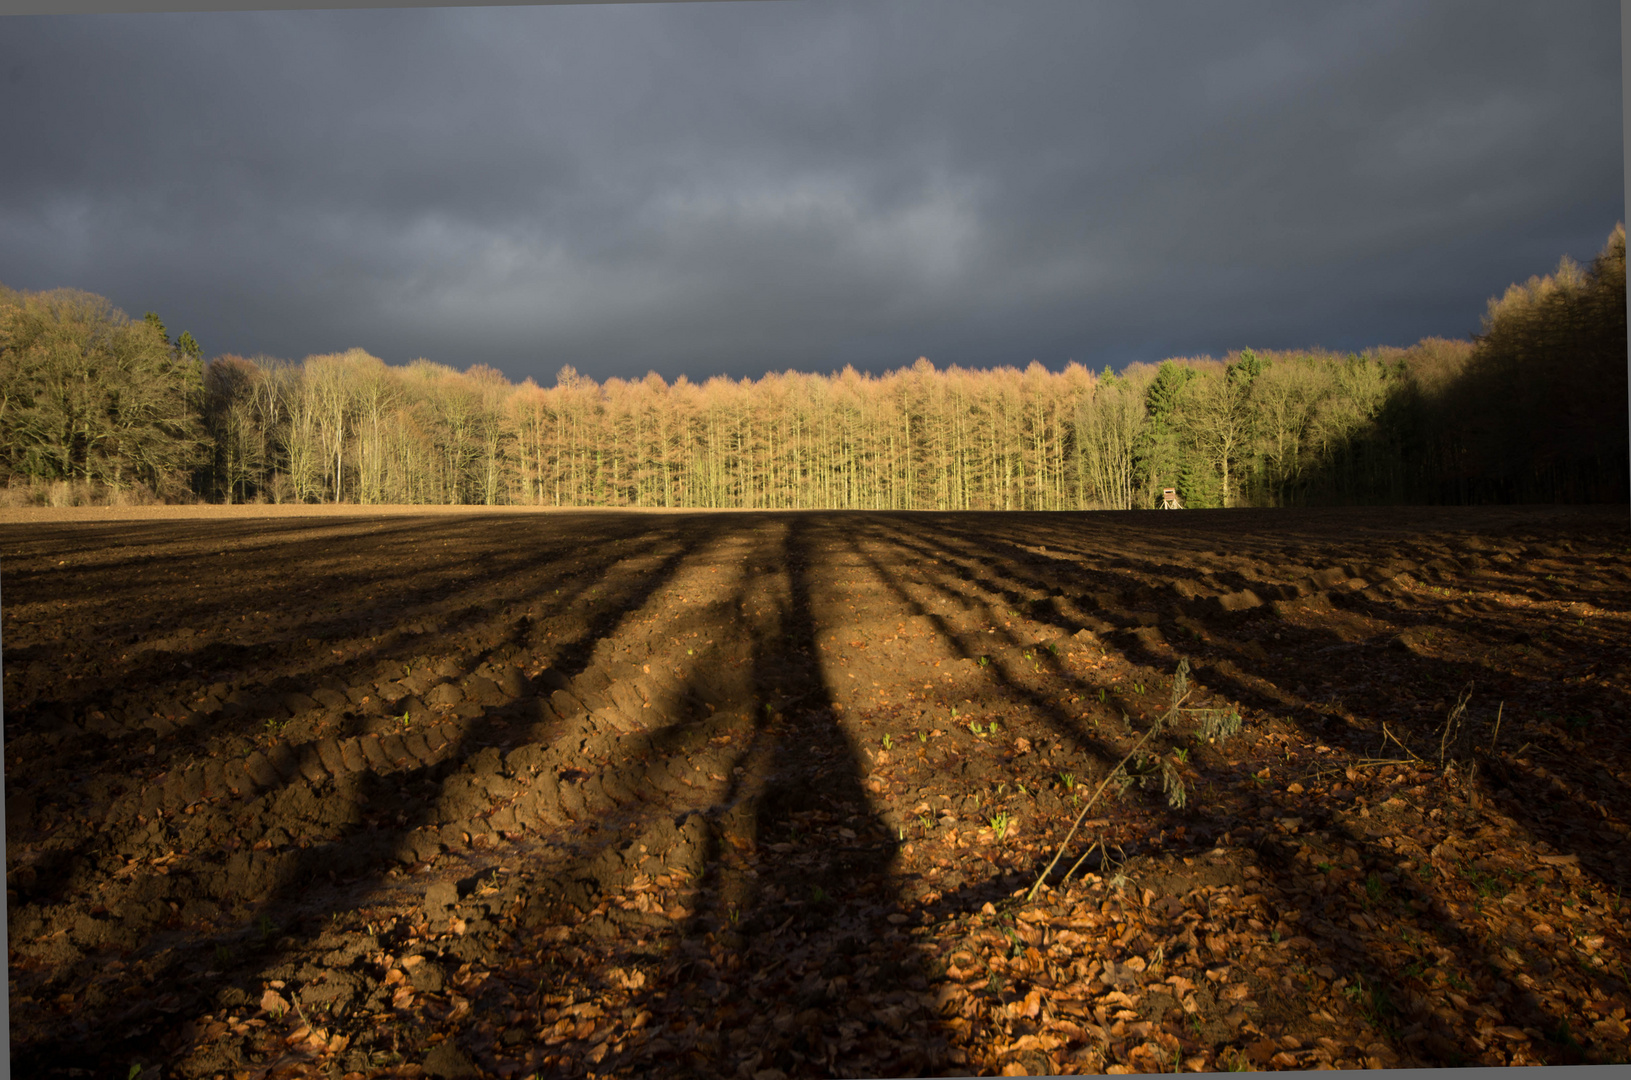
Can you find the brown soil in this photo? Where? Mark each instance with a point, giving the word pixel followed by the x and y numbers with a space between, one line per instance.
pixel 761 795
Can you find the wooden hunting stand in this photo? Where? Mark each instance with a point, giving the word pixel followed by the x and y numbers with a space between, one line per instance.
pixel 1169 499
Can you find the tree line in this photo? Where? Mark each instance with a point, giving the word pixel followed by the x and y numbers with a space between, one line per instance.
pixel 1533 408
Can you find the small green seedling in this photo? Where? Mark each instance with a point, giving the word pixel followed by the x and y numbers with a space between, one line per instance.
pixel 922 736
pixel 985 661
pixel 1069 780
pixel 999 824
pixel 887 743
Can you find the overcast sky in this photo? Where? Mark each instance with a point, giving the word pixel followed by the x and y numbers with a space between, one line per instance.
pixel 731 188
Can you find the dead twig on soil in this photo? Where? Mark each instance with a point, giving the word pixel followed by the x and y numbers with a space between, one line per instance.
pixel 1077 865
pixel 1386 735
pixel 1452 722
pixel 1180 692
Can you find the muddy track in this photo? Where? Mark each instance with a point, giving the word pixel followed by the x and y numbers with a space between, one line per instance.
pixel 294 755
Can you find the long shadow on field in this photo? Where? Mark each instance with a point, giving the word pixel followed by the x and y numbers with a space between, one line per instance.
pixel 1142 570
pixel 787 959
pixel 754 930
pixel 329 832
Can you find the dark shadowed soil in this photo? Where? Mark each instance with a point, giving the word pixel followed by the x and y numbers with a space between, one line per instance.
pixel 762 795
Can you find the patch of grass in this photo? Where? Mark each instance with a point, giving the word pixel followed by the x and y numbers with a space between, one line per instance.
pixel 1374 1002
pixel 999 824
pixel 1488 885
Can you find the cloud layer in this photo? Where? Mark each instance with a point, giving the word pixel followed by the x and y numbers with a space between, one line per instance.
pixel 735 188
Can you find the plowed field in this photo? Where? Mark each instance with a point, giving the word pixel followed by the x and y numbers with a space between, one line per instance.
pixel 764 795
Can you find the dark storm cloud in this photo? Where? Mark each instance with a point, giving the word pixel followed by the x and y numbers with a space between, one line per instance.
pixel 741 187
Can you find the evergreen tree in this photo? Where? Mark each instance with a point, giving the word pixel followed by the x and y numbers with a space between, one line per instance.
pixel 158 324
pixel 1161 457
